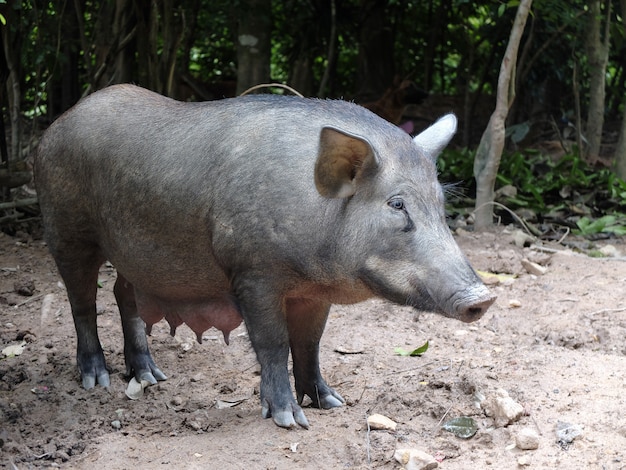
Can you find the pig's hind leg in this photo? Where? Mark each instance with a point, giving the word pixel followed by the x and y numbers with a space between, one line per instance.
pixel 306 320
pixel 78 264
pixel 136 353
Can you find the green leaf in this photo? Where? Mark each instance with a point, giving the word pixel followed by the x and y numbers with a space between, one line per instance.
pixel 463 427
pixel 416 352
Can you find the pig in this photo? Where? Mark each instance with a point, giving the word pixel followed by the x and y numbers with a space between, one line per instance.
pixel 263 208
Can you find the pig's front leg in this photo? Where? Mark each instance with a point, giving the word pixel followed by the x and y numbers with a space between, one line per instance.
pixel 306 320
pixel 264 315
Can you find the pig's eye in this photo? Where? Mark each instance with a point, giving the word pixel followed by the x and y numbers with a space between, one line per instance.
pixel 396 203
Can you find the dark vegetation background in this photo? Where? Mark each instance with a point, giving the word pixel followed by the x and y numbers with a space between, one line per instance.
pixel 410 61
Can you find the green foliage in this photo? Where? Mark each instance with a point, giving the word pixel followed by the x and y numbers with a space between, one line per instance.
pixel 615 224
pixel 589 200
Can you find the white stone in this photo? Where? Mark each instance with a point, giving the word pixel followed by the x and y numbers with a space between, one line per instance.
pixel 415 459
pixel 502 408
pixel 380 422
pixel 610 251
pixel 527 439
pixel 533 268
pixel 514 303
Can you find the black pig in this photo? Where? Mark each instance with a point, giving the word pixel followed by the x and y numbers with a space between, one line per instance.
pixel 264 208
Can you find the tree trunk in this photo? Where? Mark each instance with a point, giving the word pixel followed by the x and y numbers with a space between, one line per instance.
pixel 489 150
pixel 331 56
pixel 12 43
pixel 254 44
pixel 620 150
pixel 598 56
pixel 375 62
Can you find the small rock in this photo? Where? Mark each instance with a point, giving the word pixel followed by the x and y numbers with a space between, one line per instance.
pixel 380 422
pixel 25 288
pixel 61 454
pixel 567 432
pixel 116 424
pixel 522 239
pixel 176 401
pixel 610 251
pixel 533 268
pixel 502 408
pixel 523 461
pixel 527 439
pixel 506 191
pixel 415 459
pixel 514 303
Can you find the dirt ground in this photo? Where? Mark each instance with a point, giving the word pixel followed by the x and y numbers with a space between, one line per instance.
pixel 555 342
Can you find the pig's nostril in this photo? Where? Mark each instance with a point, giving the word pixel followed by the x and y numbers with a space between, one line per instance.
pixel 475 311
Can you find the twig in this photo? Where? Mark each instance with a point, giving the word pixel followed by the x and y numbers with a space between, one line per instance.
pixel 460 367
pixel 369 458
pixel 515 216
pixel 444 416
pixel 270 85
pixel 362 392
pixel 408 370
pixel 532 416
pixel 18 203
pixel 34 297
pixel 564 236
pixel 606 310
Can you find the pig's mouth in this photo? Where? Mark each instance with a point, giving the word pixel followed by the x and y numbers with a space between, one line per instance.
pixel 467 305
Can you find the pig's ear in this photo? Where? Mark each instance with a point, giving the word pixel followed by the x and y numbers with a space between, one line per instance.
pixel 340 160
pixel 434 139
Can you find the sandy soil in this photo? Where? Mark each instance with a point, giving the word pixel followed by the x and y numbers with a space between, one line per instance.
pixel 555 342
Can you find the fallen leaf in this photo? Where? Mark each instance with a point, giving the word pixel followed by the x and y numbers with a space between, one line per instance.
pixel 463 427
pixel 416 352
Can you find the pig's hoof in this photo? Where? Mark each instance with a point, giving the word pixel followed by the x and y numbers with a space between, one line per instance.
pixel 151 377
pixel 90 380
pixel 146 370
pixel 331 401
pixel 286 418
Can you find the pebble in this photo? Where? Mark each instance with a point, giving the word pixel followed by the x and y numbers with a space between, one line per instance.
pixel 610 251
pixel 527 439
pixel 116 424
pixel 533 268
pixel 380 422
pixel 567 432
pixel 522 239
pixel 415 459
pixel 502 408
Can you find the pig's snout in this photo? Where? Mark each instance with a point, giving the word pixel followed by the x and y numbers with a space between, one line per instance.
pixel 474 310
pixel 468 304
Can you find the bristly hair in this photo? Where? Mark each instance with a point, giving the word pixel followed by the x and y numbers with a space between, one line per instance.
pixel 453 190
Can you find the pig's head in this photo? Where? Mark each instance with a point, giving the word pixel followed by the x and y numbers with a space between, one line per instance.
pixel 395 234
